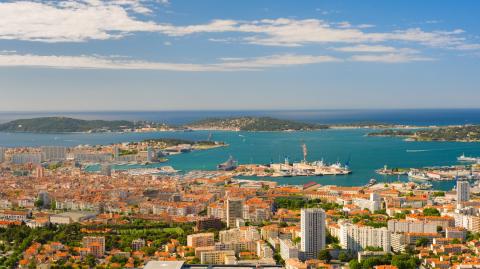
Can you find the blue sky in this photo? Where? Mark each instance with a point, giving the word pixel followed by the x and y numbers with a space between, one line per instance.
pixel 249 54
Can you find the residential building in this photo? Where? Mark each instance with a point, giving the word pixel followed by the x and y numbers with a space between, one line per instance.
pixel 54 153
pixel 201 240
pixel 312 226
pixel 95 244
pixel 405 226
pixel 357 238
pixel 463 191
pixel 216 257
pixel 138 244
pixel 234 210
pixel 288 250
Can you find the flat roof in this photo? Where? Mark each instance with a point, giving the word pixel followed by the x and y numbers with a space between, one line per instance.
pixel 164 265
pixel 181 265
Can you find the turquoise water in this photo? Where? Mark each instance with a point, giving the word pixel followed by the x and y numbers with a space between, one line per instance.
pixel 365 153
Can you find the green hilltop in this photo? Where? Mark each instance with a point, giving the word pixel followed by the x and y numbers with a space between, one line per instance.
pixel 63 125
pixel 254 124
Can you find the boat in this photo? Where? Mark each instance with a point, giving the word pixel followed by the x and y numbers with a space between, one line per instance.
pixel 424 186
pixel 229 165
pixel 464 158
pixel 416 175
pixel 371 182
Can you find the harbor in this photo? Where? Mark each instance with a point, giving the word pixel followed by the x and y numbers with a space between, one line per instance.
pixel 289 169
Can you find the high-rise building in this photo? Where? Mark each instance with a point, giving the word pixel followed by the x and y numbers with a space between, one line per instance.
pixel 54 153
pixel 312 232
pixel 463 191
pixel 23 158
pixel 2 155
pixel 116 153
pixel 150 154
pixel 234 211
pixel 39 171
pixel 106 170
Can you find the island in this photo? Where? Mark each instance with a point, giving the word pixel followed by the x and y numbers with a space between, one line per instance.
pixel 253 124
pixel 71 125
pixel 464 133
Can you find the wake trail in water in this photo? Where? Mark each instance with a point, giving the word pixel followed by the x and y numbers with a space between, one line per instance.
pixel 427 150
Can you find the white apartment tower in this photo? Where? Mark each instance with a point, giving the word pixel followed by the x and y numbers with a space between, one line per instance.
pixel 312 232
pixel 357 238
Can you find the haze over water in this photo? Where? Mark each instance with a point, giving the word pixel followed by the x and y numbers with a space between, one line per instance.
pixel 328 116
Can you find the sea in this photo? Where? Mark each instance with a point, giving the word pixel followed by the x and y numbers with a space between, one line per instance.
pixel 364 154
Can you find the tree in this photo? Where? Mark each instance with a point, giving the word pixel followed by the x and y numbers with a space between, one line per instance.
pixel 456 241
pixel 345 257
pixel 354 264
pixel 38 203
pixel 430 211
pixel 91 261
pixel 325 255
pixel 405 261
pixel 422 242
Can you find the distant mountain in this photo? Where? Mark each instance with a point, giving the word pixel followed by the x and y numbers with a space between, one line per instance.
pixel 64 125
pixel 253 124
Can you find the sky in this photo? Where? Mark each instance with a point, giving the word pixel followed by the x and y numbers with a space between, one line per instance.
pixel 79 55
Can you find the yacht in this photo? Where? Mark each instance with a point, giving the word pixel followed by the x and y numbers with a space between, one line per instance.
pixel 464 158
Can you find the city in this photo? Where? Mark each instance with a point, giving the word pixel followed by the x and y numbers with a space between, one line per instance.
pixel 71 217
pixel 264 134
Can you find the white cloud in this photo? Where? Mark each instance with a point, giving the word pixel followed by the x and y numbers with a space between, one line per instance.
pixel 292 33
pixel 375 49
pixel 366 48
pixel 69 21
pixel 119 63
pixel 389 58
pixel 83 20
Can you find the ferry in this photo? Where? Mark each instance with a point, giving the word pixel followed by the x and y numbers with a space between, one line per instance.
pixel 229 165
pixel 464 158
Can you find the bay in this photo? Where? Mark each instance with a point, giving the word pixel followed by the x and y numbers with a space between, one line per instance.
pixel 364 153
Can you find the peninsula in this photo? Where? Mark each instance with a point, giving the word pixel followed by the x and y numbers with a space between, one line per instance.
pixel 70 125
pixel 253 124
pixel 464 133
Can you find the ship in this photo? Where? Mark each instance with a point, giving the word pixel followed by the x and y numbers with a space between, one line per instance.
pixel 464 158
pixel 371 182
pixel 424 186
pixel 415 175
pixel 229 165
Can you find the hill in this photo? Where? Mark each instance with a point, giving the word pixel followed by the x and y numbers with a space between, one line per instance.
pixel 466 133
pixel 63 125
pixel 253 124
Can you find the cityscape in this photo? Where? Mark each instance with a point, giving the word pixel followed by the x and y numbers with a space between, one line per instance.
pixel 206 134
